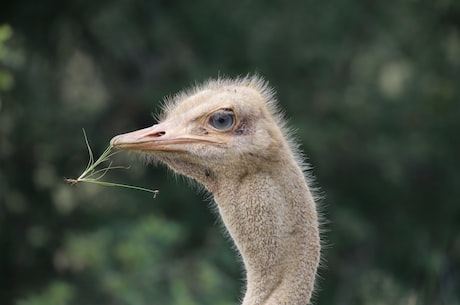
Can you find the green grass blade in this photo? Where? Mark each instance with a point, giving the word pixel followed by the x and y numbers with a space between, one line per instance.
pixel 112 184
pixel 91 171
pixel 90 152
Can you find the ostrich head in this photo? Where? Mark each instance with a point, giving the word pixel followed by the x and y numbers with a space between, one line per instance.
pixel 204 133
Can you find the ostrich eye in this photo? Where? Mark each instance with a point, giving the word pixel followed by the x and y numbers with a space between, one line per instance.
pixel 222 120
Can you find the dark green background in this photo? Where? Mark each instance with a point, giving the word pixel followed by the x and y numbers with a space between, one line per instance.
pixel 371 87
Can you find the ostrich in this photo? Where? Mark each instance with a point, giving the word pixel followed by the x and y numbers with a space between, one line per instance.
pixel 229 135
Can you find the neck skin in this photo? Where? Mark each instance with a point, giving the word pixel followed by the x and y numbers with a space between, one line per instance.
pixel 272 218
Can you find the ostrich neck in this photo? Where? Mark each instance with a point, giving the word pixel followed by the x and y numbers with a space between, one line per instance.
pixel 272 218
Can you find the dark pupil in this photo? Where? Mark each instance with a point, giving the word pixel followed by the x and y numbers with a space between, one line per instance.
pixel 222 121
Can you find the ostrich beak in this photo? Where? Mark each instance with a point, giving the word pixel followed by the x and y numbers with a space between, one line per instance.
pixel 165 136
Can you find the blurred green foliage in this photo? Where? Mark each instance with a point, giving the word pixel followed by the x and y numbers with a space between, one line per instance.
pixel 372 89
pixel 6 79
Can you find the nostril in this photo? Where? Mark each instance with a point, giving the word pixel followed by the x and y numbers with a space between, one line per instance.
pixel 157 134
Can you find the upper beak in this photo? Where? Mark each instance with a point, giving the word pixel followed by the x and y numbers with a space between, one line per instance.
pixel 165 136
